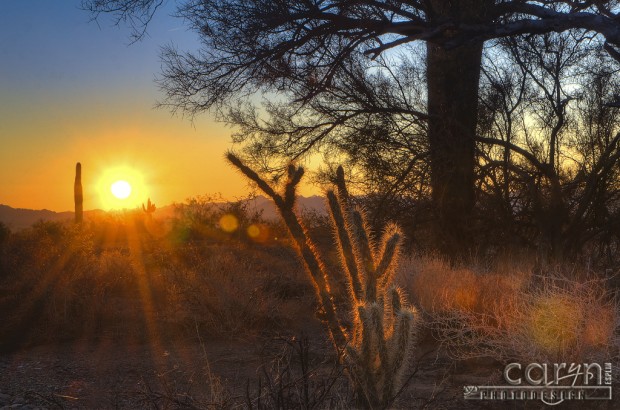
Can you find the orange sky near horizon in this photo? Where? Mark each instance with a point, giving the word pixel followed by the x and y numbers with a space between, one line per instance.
pixel 175 159
pixel 74 91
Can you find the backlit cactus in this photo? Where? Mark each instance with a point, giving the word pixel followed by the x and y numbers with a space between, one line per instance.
pixel 378 343
pixel 77 194
pixel 149 209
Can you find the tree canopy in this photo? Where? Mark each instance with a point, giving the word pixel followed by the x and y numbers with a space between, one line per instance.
pixel 394 88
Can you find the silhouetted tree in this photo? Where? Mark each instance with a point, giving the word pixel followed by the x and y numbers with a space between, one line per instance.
pixel 310 53
pixel 551 160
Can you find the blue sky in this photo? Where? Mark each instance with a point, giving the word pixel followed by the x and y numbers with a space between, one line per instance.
pixel 53 45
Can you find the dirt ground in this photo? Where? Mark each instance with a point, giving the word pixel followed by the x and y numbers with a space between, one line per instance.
pixel 190 374
pixel 178 374
pixel 216 373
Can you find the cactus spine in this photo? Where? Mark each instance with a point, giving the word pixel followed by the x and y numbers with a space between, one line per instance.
pixel 77 194
pixel 378 344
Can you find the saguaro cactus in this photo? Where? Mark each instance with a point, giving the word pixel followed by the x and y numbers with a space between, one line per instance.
pixel 149 209
pixel 379 341
pixel 77 194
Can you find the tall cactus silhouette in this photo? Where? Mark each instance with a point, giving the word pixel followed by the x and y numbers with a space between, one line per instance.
pixel 377 344
pixel 77 194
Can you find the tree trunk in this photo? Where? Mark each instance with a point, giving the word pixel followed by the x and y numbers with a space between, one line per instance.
pixel 453 76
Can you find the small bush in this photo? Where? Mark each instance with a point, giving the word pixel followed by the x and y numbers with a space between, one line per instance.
pixel 234 289
pixel 438 288
pixel 515 315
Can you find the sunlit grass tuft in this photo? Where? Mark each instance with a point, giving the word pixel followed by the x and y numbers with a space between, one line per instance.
pixel 514 315
pixel 554 321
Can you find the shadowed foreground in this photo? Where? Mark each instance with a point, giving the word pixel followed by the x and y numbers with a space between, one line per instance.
pixel 127 312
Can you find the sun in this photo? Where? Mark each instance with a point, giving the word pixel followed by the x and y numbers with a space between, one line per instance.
pixel 121 189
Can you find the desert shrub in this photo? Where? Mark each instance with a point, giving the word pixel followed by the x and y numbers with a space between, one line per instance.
pixel 5 232
pixel 194 219
pixel 58 283
pixel 234 289
pixel 438 287
pixel 116 275
pixel 5 236
pixel 298 376
pixel 112 276
pixel 213 219
pixel 516 315
pixel 563 319
pixel 50 285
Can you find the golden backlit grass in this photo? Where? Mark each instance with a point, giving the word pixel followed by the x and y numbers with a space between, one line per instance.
pixel 114 276
pixel 57 281
pixel 509 313
pixel 438 288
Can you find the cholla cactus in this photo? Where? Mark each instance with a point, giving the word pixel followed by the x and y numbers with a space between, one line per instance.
pixel 379 343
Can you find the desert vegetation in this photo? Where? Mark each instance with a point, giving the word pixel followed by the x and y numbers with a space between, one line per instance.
pixel 130 278
pixel 481 140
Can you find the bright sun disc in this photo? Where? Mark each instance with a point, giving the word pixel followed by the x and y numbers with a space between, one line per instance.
pixel 121 189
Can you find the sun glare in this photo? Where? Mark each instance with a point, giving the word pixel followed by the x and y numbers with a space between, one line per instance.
pixel 122 187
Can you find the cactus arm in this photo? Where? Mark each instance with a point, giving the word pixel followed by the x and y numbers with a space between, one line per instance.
pixel 399 347
pixel 294 176
pixel 343 193
pixel 344 244
pixel 248 172
pixel 364 258
pixel 396 300
pixel 362 239
pixel 402 337
pixel 316 268
pixel 149 209
pixel 305 246
pixel 367 352
pixel 376 311
pixel 389 255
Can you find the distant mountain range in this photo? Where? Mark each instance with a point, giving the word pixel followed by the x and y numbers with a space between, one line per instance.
pixel 18 218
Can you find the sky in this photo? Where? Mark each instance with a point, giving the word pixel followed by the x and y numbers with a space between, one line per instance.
pixel 76 90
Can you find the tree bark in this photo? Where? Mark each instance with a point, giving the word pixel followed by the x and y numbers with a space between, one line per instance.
pixel 453 78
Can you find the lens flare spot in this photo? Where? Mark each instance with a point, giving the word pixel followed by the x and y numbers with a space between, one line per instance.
pixel 229 223
pixel 253 231
pixel 258 232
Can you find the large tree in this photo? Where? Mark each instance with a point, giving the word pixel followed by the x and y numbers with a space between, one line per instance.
pixel 303 53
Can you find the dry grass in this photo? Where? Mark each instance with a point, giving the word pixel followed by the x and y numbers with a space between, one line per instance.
pixel 514 315
pixel 438 288
pixel 234 289
pixel 58 282
pixel 113 278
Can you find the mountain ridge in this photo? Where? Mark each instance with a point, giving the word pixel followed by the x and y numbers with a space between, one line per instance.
pixel 21 218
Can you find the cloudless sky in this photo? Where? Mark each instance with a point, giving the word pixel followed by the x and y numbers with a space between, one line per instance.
pixel 75 90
